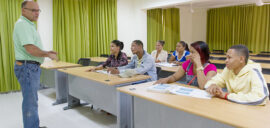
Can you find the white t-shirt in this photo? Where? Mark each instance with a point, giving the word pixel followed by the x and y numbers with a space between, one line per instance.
pixel 162 56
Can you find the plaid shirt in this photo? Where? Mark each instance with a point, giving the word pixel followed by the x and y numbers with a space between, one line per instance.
pixel 120 61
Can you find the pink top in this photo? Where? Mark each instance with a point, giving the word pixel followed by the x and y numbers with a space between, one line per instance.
pixel 209 67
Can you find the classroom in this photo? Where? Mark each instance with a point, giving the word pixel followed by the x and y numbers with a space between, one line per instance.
pixel 134 63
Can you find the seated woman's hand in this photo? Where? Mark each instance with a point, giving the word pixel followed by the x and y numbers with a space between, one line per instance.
pixel 178 63
pixel 158 61
pixel 113 70
pixel 91 70
pixel 162 81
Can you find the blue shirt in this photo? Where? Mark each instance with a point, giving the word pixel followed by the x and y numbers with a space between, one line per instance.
pixel 183 58
pixel 146 67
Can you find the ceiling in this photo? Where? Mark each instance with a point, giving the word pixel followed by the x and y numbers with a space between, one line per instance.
pixel 199 3
pixel 217 3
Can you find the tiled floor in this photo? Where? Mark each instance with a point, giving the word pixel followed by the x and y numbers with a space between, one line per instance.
pixel 52 116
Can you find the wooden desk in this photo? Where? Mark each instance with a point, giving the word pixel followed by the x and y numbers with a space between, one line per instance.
pixel 52 78
pixel 259 58
pixel 265 53
pixel 266 76
pixel 95 61
pixel 250 57
pixel 166 71
pixel 97 88
pixel 174 69
pixel 158 110
pixel 263 65
pixel 57 65
pixel 252 54
pixel 170 69
pixel 98 59
pixel 217 61
pixel 215 55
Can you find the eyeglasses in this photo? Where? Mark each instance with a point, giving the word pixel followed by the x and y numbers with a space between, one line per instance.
pixel 33 10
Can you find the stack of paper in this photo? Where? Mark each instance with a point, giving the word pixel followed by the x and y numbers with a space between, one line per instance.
pixel 166 64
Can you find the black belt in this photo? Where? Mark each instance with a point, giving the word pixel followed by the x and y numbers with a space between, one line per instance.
pixel 29 62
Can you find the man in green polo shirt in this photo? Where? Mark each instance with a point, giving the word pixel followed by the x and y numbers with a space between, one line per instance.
pixel 29 55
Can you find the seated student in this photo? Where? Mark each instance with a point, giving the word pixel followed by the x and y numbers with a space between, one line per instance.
pixel 141 63
pixel 242 78
pixel 159 54
pixel 197 69
pixel 116 59
pixel 179 55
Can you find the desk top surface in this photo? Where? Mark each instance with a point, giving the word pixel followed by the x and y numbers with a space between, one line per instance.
pixel 98 59
pixel 259 58
pixel 266 76
pixel 217 61
pixel 253 54
pixel 170 69
pixel 100 77
pixel 215 109
pixel 263 65
pixel 174 69
pixel 250 57
pixel 57 65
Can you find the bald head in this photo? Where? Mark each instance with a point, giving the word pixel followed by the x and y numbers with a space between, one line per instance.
pixel 30 10
pixel 24 3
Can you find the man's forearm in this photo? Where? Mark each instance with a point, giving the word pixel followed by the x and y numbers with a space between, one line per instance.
pixel 35 51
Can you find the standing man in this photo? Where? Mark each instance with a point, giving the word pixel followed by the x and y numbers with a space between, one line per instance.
pixel 29 55
pixel 141 63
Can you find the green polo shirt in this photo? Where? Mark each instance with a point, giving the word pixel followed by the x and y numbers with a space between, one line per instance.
pixel 25 32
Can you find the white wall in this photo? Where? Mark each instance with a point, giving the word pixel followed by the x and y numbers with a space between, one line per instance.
pixel 132 22
pixel 45 24
pixel 185 25
pixel 199 24
pixel 125 23
pixel 193 26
